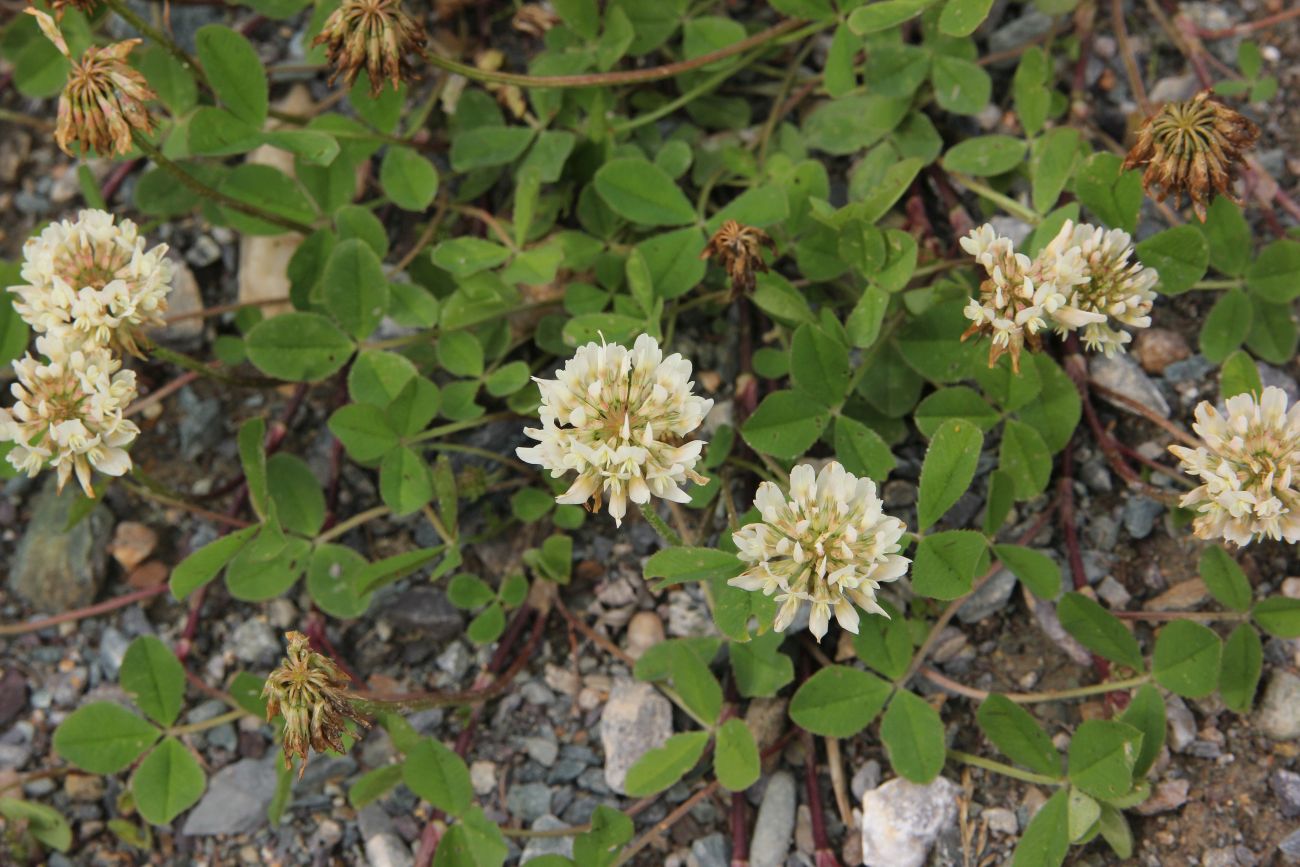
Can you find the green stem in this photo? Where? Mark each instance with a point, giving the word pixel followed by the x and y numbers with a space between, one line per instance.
pixel 195 185
pixel 26 120
pixel 668 533
pixel 700 89
pixel 191 728
pixel 1085 691
pixel 155 35
pixel 1008 204
pixel 1004 770
pixel 457 426
pixel 186 362
pixel 629 76
pixel 351 523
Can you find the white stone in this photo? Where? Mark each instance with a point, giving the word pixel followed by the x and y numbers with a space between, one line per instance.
pixel 636 719
pixel 901 820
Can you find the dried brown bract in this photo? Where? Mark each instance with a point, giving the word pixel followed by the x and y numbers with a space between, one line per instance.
pixel 104 99
pixel 310 692
pixel 1193 147
pixel 375 35
pixel 739 250
pixel 534 19
pixel 59 6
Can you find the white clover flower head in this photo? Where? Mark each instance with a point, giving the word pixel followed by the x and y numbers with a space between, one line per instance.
pixel 95 278
pixel 1019 297
pixel 619 417
pixel 68 412
pixel 1247 469
pixel 1118 290
pixel 829 544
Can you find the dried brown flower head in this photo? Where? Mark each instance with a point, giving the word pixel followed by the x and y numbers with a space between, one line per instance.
pixel 375 35
pixel 104 99
pixel 86 6
pixel 1193 147
pixel 739 250
pixel 311 693
pixel 534 19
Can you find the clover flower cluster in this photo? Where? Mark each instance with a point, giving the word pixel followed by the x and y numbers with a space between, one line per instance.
pixel 89 286
pixel 1247 469
pixel 619 417
pixel 311 693
pixel 1081 280
pixel 829 544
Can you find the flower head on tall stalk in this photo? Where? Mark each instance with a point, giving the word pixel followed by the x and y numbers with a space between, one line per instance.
pixel 104 99
pixel 68 412
pixel 828 544
pixel 94 278
pixel 1196 147
pixel 1247 469
pixel 311 693
pixel 374 35
pixel 619 417
pixel 1021 297
pixel 1116 286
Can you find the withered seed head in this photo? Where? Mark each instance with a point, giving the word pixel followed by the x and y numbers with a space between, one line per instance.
pixel 738 249
pixel 1194 147
pixel 376 35
pixel 86 6
pixel 104 98
pixel 311 693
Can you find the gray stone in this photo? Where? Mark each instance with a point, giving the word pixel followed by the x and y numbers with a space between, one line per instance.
pixel 544 751
pixel 636 719
pixel 1189 369
pixel 1272 376
pixel 384 848
pixel 1286 786
pixel 1113 593
pixel 1182 725
pixel 1290 847
pixel 56 568
pixel 236 799
pixel 1225 856
pixel 901 820
pixel 1140 516
pixel 201 425
pixel 529 801
pixel 774 826
pixel 425 610
pixel 1174 88
pixel 989 599
pixel 711 851
pixel 1020 30
pixel 865 778
pixel 255 642
pixel 112 650
pixel 1122 374
pixel 539 846
pixel 1001 820
pixel 1279 711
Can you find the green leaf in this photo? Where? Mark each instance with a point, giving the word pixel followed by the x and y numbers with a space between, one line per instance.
pixel 819 365
pixel 203 565
pixel 659 768
pixel 299 501
pixel 1083 813
pixel 913 735
pixel 298 347
pixel 882 15
pixel 1000 500
pixel 1015 732
pixel 235 72
pixel 1273 332
pixel 1115 831
pixel 1279 616
pixel 861 449
pixel 378 376
pixel 168 782
pixel 246 690
pixel 1229 235
pixel 735 758
pixel 1046 840
pixel 985 155
pixel 1227 324
pixel 154 679
pixel 467 255
pixel 487 146
pixel 1037 571
pixel 685 662
pixel 680 565
pixel 173 82
pixel 1029 89
pixel 1274 276
pixel 439 776
pixel 1186 659
pixel 1180 255
pixel 333 575
pixel 461 354
pixel 1103 754
pixel 1053 162
pixel 1026 459
pixel 1058 409
pixel 1225 579
pixel 311 146
pixel 1239 375
pixel 785 425
pixel 44 823
pixel 404 481
pixel 954 402
pixel 364 432
pixel 838 701
pixel 1099 630
pixel 948 469
pixel 267 567
pixel 610 829
pixel 373 785
pixel 759 666
pixel 1146 713
pixel 946 563
pixel 475 841
pixel 963 17
pixel 1113 195
pixel 408 179
pixel 1243 662
pixel 103 738
pixel 252 457
pixel 640 191
pixel 960 86
pixel 268 189
pixel 853 123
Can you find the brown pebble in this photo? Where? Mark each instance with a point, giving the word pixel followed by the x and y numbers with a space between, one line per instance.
pixel 83 787
pixel 1157 348
pixel 588 570
pixel 644 631
pixel 132 544
pixel 150 574
pixel 1180 597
